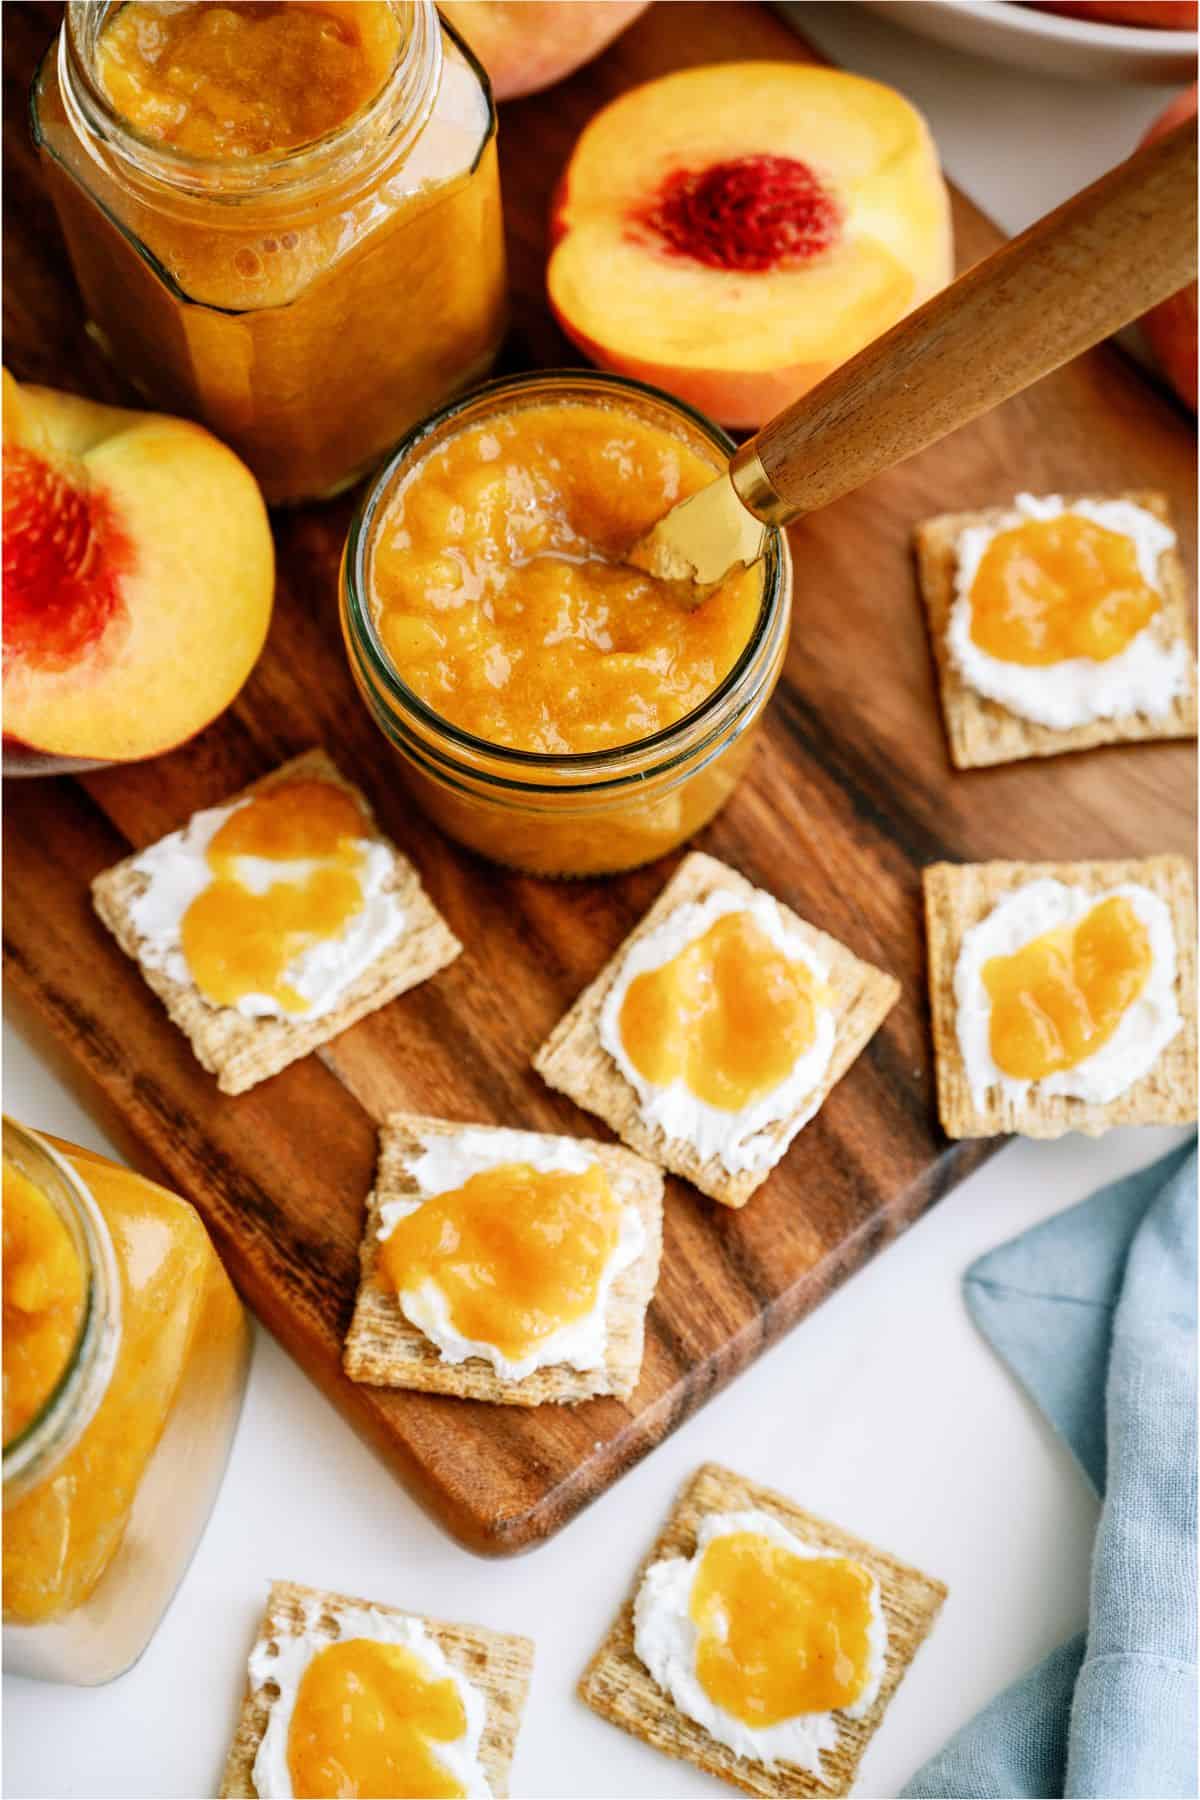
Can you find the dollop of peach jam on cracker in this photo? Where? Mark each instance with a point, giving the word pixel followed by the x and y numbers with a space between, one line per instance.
pixel 367 1720
pixel 499 594
pixel 45 1293
pixel 1061 996
pixel 231 81
pixel 518 1253
pixel 730 1015
pixel 779 1634
pixel 1051 589
pixel 239 939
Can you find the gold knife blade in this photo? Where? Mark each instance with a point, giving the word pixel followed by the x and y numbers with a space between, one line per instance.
pixel 722 527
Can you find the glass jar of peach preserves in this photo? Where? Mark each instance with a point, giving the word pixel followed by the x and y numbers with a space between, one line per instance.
pixel 125 1357
pixel 308 297
pixel 566 810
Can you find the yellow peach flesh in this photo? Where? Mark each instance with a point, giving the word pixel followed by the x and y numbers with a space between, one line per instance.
pixel 737 342
pixel 187 564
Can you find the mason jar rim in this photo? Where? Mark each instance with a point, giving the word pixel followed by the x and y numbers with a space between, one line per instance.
pixel 415 73
pixel 75 1396
pixel 676 737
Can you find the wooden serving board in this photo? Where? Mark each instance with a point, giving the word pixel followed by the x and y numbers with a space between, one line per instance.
pixel 850 795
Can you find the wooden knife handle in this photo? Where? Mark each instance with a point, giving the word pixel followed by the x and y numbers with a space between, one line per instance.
pixel 1074 277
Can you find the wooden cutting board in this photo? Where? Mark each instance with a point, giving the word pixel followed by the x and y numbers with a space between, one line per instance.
pixel 851 794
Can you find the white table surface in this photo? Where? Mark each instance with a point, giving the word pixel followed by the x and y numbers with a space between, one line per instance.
pixel 928 1449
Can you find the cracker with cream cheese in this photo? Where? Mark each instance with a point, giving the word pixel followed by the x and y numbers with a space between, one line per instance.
pixel 980 731
pixel 574 1060
pixel 496 1662
pixel 957 898
pixel 242 1051
pixel 383 1347
pixel 619 1687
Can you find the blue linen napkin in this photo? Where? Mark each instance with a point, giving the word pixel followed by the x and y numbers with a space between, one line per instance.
pixel 1095 1312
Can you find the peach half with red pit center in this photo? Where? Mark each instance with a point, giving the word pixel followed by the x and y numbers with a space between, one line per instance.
pixel 138 579
pixel 733 233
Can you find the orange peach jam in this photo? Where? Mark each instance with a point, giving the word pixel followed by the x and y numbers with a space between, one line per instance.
pixel 238 941
pixel 1050 589
pixel 243 80
pixel 730 1014
pixel 182 1329
pixel 367 1720
pixel 498 592
pixel 45 1292
pixel 779 1634
pixel 518 1252
pixel 1061 996
pixel 284 219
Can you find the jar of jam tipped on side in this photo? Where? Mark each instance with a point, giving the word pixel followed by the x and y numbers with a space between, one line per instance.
pixel 125 1358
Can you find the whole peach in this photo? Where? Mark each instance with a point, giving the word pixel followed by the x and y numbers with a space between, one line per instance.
pixel 1171 326
pixel 526 45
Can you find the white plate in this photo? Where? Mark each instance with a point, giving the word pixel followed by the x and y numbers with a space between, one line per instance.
pixel 1048 43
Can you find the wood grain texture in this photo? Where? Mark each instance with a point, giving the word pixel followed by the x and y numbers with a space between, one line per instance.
pixel 850 794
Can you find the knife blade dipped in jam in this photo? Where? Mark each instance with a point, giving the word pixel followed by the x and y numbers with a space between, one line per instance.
pixel 516 1253
pixel 1061 996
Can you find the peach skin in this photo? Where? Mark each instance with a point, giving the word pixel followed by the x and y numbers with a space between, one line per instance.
pixel 138 579
pixel 1170 327
pixel 527 45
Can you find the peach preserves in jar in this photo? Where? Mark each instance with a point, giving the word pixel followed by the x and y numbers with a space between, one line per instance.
pixel 124 1363
pixel 284 217
pixel 556 708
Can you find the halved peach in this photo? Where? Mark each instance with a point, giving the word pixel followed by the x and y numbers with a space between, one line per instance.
pixel 733 233
pixel 527 45
pixel 138 578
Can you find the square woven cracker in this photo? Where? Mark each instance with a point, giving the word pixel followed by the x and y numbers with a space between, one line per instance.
pixel 574 1060
pixel 241 1052
pixel 621 1689
pixel 384 1349
pixel 957 898
pixel 498 1664
pixel 981 731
